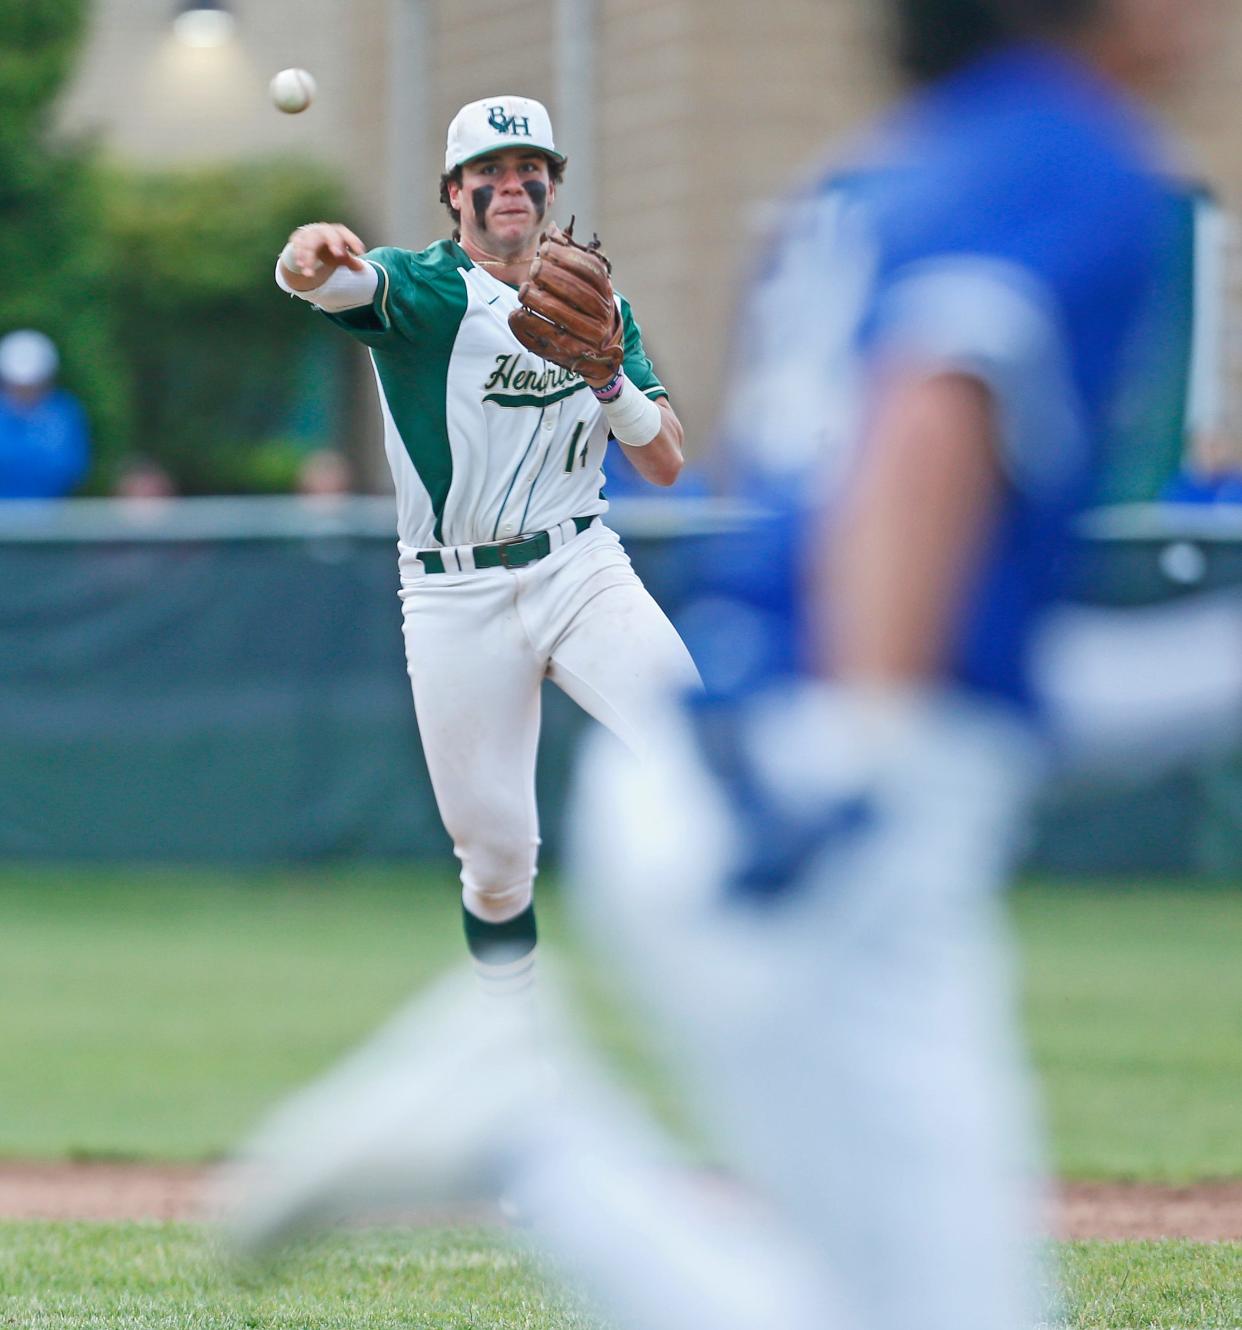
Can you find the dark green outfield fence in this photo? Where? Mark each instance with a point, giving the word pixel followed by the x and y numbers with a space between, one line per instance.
pixel 223 681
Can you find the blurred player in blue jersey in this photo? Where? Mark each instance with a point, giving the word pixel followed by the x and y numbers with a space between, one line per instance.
pixel 927 368
pixel 803 882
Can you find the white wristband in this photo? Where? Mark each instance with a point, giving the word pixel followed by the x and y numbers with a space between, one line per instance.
pixel 632 416
pixel 343 288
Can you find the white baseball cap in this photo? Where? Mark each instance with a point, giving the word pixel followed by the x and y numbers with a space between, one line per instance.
pixel 499 122
pixel 27 358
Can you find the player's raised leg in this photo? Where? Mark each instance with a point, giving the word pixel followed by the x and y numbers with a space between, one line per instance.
pixel 617 655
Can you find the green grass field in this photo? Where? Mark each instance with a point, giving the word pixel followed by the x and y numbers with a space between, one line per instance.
pixel 157 1276
pixel 1134 1014
pixel 153 1015
pixel 144 1276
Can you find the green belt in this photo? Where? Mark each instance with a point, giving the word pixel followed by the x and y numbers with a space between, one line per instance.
pixel 515 553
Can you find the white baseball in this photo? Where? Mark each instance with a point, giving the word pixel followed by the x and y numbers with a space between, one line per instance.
pixel 292 90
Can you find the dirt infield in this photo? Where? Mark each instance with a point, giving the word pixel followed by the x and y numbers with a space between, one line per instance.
pixel 1112 1211
pixel 98 1191
pixel 1107 1211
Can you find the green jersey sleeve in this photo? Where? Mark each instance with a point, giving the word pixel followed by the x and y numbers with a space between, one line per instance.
pixel 419 298
pixel 638 367
pixel 376 323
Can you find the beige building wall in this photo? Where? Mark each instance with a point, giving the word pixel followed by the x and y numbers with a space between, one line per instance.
pixel 1207 114
pixel 748 95
pixel 154 100
pixel 703 111
pixel 476 48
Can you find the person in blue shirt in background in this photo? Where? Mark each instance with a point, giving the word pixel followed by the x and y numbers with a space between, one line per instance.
pixel 44 438
pixel 802 882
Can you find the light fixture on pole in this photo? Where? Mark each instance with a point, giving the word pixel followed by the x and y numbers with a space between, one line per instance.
pixel 203 23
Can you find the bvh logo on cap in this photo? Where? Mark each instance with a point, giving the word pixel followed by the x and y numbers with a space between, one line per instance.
pixel 495 123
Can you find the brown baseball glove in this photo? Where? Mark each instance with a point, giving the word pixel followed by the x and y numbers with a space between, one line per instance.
pixel 568 314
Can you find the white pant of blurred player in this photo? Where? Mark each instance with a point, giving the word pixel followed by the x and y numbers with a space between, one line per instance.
pixel 848 1040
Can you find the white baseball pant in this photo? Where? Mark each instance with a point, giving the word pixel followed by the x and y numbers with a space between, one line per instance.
pixel 478 647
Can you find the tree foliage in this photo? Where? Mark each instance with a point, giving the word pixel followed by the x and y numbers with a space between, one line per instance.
pixel 156 286
pixel 215 352
pixel 39 40
pixel 54 257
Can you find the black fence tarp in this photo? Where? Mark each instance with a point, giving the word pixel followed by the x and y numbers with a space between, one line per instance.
pixel 217 681
pixel 231 700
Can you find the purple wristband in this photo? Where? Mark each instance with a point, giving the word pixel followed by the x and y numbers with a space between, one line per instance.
pixel 612 389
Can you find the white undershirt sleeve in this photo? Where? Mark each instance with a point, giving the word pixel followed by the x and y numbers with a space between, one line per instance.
pixel 346 288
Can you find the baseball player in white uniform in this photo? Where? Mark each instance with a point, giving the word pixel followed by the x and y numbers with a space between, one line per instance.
pixel 508 573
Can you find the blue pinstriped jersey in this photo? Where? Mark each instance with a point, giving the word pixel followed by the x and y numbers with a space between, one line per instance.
pixel 1005 223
